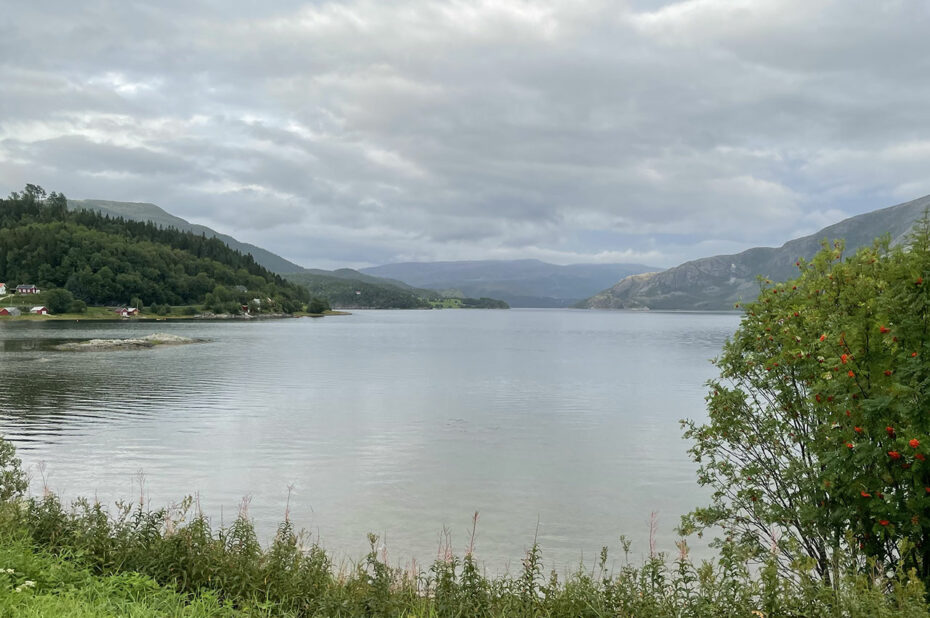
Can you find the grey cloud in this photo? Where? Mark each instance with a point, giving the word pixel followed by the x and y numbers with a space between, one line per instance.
pixel 366 131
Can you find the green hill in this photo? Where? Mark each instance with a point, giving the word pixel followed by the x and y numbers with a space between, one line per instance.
pixel 365 292
pixel 140 211
pixel 103 260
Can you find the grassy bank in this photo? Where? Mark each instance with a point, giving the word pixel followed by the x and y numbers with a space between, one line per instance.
pixel 86 559
pixel 38 583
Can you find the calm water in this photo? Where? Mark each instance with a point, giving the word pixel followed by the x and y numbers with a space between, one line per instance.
pixel 401 423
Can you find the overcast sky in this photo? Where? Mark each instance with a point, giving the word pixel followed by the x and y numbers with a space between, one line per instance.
pixel 365 132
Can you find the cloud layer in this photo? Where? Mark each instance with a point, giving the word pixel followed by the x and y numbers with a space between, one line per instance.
pixel 362 132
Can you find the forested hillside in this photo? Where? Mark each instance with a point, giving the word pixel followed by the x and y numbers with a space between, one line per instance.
pixel 345 293
pixel 140 211
pixel 103 260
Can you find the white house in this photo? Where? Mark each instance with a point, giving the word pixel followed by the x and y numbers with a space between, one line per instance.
pixel 2 288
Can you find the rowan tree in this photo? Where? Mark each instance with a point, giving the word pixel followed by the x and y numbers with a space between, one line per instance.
pixel 818 428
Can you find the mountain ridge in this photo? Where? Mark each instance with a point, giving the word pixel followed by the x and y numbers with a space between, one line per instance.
pixel 145 211
pixel 521 283
pixel 717 282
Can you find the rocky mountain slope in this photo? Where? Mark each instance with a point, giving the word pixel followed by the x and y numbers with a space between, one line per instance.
pixel 716 283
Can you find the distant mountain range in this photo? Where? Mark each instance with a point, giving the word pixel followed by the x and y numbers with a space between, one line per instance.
pixel 141 211
pixel 521 283
pixel 718 282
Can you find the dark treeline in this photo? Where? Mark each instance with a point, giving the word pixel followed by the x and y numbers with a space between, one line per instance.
pixel 103 260
pixel 355 294
pixel 484 303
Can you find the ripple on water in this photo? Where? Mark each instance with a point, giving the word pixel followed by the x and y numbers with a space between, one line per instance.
pixel 397 422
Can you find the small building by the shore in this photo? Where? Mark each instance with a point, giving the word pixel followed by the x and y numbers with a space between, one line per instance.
pixel 10 311
pixel 127 311
pixel 27 288
pixel 2 288
pixel 39 310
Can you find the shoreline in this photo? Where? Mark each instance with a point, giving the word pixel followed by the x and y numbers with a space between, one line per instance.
pixel 78 317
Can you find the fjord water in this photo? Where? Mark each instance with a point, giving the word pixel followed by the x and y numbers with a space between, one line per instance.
pixel 401 423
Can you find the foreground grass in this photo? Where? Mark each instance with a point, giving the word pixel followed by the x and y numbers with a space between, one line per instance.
pixel 84 559
pixel 87 560
pixel 38 583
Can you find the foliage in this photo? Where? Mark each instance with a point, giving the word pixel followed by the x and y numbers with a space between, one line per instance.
pixel 484 303
pixel 102 260
pixel 36 583
pixel 318 305
pixel 13 481
pixel 356 294
pixel 86 560
pixel 818 431
pixel 58 300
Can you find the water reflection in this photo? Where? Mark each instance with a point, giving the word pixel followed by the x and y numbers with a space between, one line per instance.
pixel 394 422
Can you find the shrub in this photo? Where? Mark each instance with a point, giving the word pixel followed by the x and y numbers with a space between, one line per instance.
pixel 13 481
pixel 819 425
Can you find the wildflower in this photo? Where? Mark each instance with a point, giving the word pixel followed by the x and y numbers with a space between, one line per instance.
pixel 882 330
pixel 9 571
pixel 865 494
pixel 822 337
pixel 888 372
pixel 852 374
pixel 894 455
pixel 890 431
pixel 849 445
pixel 920 457
pixel 884 522
pixel 913 354
pixel 919 281
pixel 843 358
pixel 914 443
pixel 858 429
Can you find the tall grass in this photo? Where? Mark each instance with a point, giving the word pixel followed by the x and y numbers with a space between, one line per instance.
pixel 86 559
pixel 227 569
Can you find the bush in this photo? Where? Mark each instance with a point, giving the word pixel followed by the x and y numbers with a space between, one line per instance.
pixel 318 305
pixel 13 481
pixel 58 300
pixel 819 427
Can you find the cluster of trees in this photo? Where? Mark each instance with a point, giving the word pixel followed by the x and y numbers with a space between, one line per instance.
pixel 484 303
pixel 818 439
pixel 101 260
pixel 352 293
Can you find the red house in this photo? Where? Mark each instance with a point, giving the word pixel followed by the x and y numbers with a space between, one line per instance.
pixel 40 310
pixel 26 289
pixel 127 311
